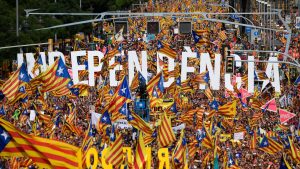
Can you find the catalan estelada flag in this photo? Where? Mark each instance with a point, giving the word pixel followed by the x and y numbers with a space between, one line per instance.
pixel 294 151
pixel 115 153
pixel 198 36
pixel 140 154
pixel 149 138
pixel 120 97
pixel 136 121
pixel 228 110
pixel 104 121
pixel 222 35
pixel 14 84
pixel 208 93
pixel 55 78
pixel 166 49
pixel 193 148
pixel 135 82
pixel 284 163
pixel 270 146
pixel 202 77
pixel 179 153
pixel 153 82
pixel 80 89
pixel 165 133
pixel 231 163
pixel 205 138
pixel 45 153
pixel 155 98
pixel 110 54
pixel 37 64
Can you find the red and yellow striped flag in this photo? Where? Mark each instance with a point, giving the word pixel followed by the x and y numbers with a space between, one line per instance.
pixel 140 154
pixel 11 87
pixel 165 132
pixel 166 49
pixel 54 78
pixel 223 35
pixel 179 153
pixel 207 140
pixel 270 146
pixel 137 122
pixel 208 93
pixel 294 151
pixel 192 147
pixel 153 82
pixel 118 100
pixel 135 82
pixel 115 155
pixel 110 54
pixel 228 110
pixel 45 153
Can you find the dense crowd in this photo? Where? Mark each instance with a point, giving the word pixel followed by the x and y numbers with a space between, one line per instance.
pixel 248 119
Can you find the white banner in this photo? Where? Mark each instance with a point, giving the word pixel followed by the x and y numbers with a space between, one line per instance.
pixel 122 124
pixel 238 136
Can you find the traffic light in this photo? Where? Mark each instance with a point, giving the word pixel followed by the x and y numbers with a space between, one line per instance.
pixel 229 64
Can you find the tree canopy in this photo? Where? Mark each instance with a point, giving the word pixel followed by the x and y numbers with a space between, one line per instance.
pixel 27 25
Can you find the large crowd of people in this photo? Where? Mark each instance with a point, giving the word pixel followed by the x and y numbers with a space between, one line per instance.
pixel 54 114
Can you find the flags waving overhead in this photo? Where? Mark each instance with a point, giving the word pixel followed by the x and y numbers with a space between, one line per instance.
pixel 166 49
pixel 284 164
pixel 115 153
pixel 140 154
pixel 165 132
pixel 228 110
pixel 179 152
pixel 136 121
pixel 104 121
pixel 153 82
pixel 55 78
pixel 15 84
pixel 294 151
pixel 270 146
pixel 122 94
pixel 45 153
pixel 231 163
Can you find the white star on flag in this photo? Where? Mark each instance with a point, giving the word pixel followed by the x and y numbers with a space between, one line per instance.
pixel 159 45
pixel 123 109
pixel 124 90
pixel 21 75
pixel 60 70
pixel 230 161
pixel 112 135
pixel 4 134
pixel 265 143
pixel 104 119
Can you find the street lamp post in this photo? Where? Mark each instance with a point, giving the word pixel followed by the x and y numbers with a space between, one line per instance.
pixel 17 18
